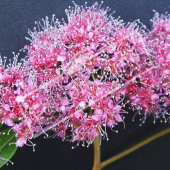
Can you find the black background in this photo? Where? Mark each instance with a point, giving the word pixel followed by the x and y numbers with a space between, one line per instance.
pixel 16 16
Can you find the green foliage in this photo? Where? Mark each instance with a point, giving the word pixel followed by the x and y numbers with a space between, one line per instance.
pixel 6 150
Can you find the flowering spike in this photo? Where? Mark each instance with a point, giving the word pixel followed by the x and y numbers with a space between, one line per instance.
pixel 78 76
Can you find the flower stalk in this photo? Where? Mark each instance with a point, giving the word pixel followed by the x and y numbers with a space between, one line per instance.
pixel 98 165
pixel 97 154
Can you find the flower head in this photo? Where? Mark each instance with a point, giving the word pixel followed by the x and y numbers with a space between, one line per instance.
pixel 79 74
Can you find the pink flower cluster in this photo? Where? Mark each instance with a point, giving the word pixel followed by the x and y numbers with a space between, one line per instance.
pixel 79 75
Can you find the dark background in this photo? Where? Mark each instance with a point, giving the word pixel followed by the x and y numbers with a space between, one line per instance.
pixel 16 16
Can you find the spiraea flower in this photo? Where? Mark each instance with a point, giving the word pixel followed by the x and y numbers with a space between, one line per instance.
pixel 79 87
pixel 79 74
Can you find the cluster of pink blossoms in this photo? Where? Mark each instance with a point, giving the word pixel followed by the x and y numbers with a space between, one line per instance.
pixel 79 75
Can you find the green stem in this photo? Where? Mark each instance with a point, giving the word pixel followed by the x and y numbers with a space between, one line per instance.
pixel 133 148
pixel 97 163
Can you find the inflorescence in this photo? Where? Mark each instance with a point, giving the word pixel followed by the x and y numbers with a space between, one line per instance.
pixel 78 75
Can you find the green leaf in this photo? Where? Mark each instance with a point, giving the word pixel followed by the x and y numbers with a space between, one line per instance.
pixel 6 150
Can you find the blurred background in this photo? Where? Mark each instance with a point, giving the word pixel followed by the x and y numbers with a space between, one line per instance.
pixel 16 16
